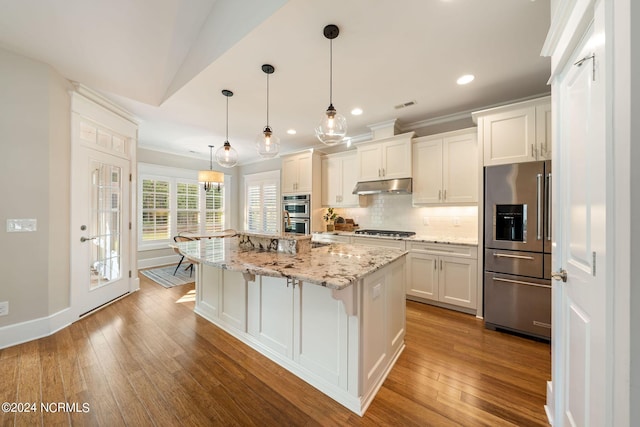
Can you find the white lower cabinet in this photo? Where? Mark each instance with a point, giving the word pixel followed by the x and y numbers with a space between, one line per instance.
pixel 344 342
pixel 270 305
pixel 443 273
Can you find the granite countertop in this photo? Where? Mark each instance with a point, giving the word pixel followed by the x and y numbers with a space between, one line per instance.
pixel 466 241
pixel 334 265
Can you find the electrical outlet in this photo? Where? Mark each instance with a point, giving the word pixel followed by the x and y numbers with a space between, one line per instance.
pixel 4 308
pixel 456 221
pixel 425 220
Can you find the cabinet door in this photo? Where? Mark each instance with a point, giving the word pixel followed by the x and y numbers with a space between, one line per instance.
pixel 305 176
pixel 543 131
pixel 289 174
pixel 396 305
pixel 396 159
pixel 422 280
pixel 457 281
pixel 369 162
pixel 271 314
pixel 349 179
pixel 509 136
pixel 331 169
pixel 233 308
pixel 460 169
pixel 317 314
pixel 427 172
pixel 374 341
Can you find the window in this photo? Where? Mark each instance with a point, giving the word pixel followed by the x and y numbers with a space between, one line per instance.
pixel 188 208
pixel 171 201
pixel 214 210
pixel 155 210
pixel 262 204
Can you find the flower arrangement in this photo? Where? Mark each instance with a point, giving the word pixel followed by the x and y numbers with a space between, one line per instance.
pixel 330 216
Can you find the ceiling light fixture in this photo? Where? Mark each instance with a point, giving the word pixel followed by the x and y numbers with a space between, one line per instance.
pixel 267 144
pixel 467 78
pixel 292 132
pixel 210 177
pixel 227 156
pixel 333 126
pixel 356 111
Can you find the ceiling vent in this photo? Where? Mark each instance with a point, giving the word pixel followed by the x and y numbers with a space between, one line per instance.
pixel 405 104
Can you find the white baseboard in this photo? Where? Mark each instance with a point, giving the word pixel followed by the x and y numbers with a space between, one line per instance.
pixel 33 329
pixel 158 261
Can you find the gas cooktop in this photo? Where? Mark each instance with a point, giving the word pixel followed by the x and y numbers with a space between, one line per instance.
pixel 386 233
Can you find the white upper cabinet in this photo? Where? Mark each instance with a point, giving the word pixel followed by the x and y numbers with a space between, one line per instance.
pixel 339 177
pixel 297 173
pixel 387 158
pixel 516 133
pixel 445 168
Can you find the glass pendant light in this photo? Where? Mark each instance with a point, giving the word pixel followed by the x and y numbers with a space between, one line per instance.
pixel 227 156
pixel 210 177
pixel 267 144
pixel 333 126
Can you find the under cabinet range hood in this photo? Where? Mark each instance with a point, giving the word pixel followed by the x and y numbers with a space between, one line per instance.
pixel 393 186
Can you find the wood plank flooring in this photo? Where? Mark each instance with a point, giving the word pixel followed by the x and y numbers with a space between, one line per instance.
pixel 149 360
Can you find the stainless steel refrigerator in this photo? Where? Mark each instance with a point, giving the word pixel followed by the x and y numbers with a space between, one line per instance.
pixel 517 248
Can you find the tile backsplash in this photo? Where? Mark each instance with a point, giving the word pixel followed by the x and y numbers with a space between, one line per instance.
pixel 395 212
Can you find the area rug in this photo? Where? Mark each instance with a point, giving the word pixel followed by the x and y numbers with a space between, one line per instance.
pixel 164 276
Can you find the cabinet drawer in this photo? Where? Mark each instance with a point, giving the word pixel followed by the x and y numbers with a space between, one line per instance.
pixel 514 262
pixel 449 250
pixel 387 243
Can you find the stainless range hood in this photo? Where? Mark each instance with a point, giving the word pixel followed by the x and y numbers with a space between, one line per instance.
pixel 393 186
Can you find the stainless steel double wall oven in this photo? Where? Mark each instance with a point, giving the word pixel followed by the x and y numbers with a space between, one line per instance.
pixel 297 213
pixel 517 248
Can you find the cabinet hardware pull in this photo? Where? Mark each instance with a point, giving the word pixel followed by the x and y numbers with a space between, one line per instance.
pixel 444 195
pixel 547 188
pixel 440 264
pixel 533 152
pixel 383 172
pixel 519 282
pixel 539 199
pixel 497 255
pixel 439 194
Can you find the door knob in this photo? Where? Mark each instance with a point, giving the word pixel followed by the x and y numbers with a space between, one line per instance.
pixel 561 274
pixel 84 239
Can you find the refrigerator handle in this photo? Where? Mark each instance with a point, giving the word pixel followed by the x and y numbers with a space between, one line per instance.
pixel 539 192
pixel 547 211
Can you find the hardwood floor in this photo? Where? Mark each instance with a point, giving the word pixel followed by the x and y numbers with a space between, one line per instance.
pixel 149 360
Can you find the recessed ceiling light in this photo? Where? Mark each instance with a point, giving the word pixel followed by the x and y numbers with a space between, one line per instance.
pixel 291 132
pixel 467 78
pixel 356 111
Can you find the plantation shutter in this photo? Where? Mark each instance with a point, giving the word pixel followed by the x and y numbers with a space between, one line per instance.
pixel 262 207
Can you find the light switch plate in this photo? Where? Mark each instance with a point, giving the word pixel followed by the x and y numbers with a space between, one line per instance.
pixel 21 225
pixel 4 308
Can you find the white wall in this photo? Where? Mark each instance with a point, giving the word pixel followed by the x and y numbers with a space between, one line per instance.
pixel 34 170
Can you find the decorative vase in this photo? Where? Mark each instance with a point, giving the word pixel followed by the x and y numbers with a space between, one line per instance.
pixel 330 227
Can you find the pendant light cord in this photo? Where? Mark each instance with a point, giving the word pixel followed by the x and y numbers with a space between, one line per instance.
pixel 211 157
pixel 226 138
pixel 331 71
pixel 267 99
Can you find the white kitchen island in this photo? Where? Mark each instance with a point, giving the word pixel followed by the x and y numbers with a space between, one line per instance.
pixel 333 315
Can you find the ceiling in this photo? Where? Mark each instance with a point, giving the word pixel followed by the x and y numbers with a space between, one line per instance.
pixel 167 61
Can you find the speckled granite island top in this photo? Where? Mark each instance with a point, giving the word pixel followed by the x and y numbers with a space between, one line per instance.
pixel 335 266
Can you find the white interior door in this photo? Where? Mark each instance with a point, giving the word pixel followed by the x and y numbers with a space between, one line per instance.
pixel 579 324
pixel 100 218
